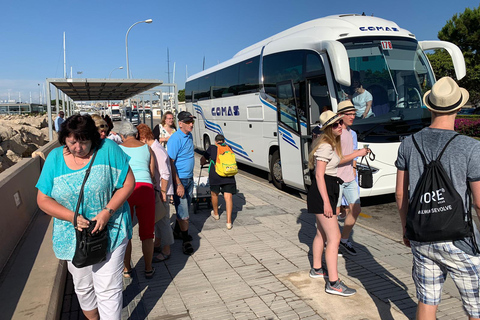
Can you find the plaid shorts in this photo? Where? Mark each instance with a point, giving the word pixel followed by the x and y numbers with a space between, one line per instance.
pixel 432 261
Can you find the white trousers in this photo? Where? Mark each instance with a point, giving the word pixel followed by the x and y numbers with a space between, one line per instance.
pixel 101 285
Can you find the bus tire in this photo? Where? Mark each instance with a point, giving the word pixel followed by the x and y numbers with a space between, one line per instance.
pixel 206 142
pixel 276 170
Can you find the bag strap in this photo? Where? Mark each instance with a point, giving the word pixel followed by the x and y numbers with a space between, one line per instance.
pixel 80 196
pixel 366 160
pixel 424 160
pixel 446 145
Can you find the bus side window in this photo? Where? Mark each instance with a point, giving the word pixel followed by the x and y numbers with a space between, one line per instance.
pixel 287 104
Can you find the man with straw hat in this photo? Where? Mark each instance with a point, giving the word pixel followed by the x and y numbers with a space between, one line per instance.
pixel 433 261
pixel 346 172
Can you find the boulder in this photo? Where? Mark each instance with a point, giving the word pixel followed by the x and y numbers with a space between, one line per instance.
pixel 20 136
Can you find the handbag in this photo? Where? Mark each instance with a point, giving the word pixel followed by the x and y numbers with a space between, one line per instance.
pixel 90 248
pixel 365 175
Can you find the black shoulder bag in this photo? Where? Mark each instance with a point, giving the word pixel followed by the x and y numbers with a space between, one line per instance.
pixel 365 175
pixel 90 248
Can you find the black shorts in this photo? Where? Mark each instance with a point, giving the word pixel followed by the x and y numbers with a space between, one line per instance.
pixel 228 188
pixel 314 199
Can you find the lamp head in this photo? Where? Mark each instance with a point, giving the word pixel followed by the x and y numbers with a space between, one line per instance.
pixel 120 67
pixel 148 21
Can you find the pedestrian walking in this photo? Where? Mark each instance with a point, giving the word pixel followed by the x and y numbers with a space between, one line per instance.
pixel 346 171
pixel 453 251
pixel 142 200
pixel 226 185
pixel 164 191
pixel 99 286
pixel 59 120
pixel 182 160
pixel 322 198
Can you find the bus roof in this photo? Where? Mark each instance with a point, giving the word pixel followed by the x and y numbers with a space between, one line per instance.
pixel 333 27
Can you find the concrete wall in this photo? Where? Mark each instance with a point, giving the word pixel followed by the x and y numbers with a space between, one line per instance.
pixel 18 201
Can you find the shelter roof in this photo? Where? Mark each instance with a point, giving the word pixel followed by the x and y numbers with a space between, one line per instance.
pixel 79 89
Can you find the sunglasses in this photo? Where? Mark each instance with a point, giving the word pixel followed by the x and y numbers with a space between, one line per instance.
pixel 336 124
pixel 102 126
pixel 188 122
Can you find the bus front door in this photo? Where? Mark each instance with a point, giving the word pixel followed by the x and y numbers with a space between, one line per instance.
pixel 289 136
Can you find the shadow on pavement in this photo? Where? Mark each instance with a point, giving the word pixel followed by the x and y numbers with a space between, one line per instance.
pixel 382 286
pixel 141 296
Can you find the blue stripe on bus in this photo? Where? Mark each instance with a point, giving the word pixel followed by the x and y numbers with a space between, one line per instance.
pixel 287 137
pixel 290 143
pixel 236 148
pixel 271 106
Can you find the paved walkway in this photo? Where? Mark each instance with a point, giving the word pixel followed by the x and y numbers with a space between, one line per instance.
pixel 259 270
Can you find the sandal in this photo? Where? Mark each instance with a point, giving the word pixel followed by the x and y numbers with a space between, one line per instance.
pixel 128 274
pixel 163 258
pixel 149 274
pixel 187 248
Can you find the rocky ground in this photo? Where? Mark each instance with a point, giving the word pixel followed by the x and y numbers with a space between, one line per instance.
pixel 20 135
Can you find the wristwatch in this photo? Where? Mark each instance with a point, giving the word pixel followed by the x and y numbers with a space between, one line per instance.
pixel 111 211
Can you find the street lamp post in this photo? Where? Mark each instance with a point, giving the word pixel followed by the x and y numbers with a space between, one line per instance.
pixel 126 42
pixel 110 75
pixel 126 49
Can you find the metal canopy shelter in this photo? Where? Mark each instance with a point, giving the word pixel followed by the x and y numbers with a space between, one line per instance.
pixel 103 89
pixel 95 90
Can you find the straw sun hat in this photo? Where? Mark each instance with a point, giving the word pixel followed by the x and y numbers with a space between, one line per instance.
pixel 345 106
pixel 328 118
pixel 446 96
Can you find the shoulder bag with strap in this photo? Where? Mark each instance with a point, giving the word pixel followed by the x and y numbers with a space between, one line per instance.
pixel 90 248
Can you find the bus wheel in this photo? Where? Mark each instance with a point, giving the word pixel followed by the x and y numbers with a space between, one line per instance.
pixel 206 143
pixel 276 170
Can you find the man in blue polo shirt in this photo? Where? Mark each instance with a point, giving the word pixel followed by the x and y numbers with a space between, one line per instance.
pixel 182 159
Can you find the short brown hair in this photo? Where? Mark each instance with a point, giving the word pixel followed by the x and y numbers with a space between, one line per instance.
pixel 144 132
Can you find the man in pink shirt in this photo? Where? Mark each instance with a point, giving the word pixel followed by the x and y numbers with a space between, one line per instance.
pixel 347 173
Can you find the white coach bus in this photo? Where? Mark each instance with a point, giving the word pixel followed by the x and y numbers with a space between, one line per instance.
pixel 267 99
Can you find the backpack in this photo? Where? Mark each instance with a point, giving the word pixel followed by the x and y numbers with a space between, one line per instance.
pixel 436 210
pixel 226 165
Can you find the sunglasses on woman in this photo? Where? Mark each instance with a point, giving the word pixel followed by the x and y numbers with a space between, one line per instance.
pixel 102 126
pixel 336 124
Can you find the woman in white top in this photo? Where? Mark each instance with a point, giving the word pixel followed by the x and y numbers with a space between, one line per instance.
pixel 322 199
pixel 167 128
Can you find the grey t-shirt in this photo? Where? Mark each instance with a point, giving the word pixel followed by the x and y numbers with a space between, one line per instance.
pixel 461 159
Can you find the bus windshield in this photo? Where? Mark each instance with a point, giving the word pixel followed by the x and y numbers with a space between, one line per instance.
pixel 388 80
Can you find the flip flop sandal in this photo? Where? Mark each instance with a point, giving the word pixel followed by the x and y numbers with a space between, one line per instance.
pixel 157 259
pixel 128 274
pixel 187 248
pixel 149 274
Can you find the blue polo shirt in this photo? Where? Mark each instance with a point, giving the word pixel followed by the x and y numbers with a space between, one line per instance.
pixel 180 150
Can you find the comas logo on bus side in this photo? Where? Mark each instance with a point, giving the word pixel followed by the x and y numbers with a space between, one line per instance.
pixel 379 29
pixel 225 111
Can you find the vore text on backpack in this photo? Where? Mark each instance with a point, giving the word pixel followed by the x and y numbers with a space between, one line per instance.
pixel 436 210
pixel 226 165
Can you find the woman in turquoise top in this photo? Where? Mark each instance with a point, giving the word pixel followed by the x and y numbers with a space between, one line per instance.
pixel 98 287
pixel 142 200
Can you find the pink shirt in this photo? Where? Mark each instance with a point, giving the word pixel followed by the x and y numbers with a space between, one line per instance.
pixel 163 166
pixel 345 171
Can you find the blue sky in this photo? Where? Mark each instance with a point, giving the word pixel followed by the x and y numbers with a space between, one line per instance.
pixel 32 34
